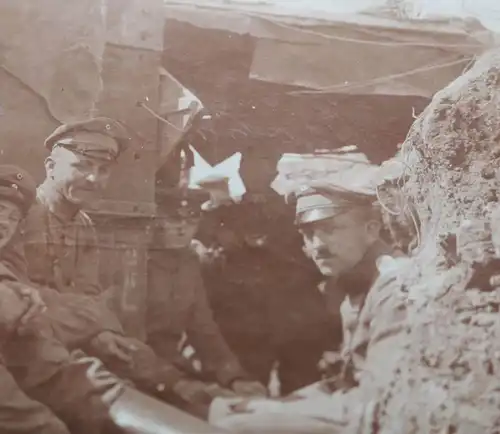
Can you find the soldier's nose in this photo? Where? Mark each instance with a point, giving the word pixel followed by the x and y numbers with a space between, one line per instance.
pixel 91 178
pixel 317 242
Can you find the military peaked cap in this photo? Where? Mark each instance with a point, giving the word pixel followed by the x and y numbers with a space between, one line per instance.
pixel 101 138
pixel 17 186
pixel 322 200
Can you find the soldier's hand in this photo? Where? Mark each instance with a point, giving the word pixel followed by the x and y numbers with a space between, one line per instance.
pixel 241 406
pixel 114 345
pixel 331 363
pixel 193 391
pixel 35 306
pixel 291 398
pixel 249 388
pixel 12 309
pixel 256 405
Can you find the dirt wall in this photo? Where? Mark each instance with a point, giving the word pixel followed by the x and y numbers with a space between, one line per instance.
pixel 445 379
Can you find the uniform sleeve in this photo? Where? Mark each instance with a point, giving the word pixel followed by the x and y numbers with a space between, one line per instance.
pixel 12 309
pixel 205 336
pixel 76 318
pixel 23 415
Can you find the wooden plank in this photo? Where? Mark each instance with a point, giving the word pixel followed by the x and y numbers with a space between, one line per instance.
pixel 129 76
pixel 123 244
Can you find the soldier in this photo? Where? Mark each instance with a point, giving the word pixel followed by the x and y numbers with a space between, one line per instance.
pixel 41 383
pixel 178 301
pixel 261 289
pixel 341 233
pixel 35 365
pixel 62 253
pixel 18 412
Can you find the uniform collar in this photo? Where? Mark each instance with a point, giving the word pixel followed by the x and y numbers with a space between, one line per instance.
pixel 360 278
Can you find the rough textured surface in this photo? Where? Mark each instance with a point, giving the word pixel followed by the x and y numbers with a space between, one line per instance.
pixel 447 378
pixel 42 42
pixel 63 61
pixel 264 120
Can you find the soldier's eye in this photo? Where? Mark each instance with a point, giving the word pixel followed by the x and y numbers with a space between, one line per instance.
pixel 103 170
pixel 81 165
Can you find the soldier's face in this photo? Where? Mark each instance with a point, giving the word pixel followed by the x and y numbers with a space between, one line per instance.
pixel 10 216
pixel 177 233
pixel 337 244
pixel 80 179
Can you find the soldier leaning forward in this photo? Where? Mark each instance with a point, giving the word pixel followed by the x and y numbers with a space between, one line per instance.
pixel 38 377
pixel 75 387
pixel 61 249
pixel 178 301
pixel 341 233
pixel 261 289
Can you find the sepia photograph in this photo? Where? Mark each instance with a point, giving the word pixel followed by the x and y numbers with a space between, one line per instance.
pixel 249 217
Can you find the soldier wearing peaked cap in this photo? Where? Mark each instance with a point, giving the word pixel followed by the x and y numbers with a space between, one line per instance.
pixel 338 225
pixel 341 233
pixel 80 161
pixel 61 250
pixel 17 194
pixel 17 186
pixel 261 297
pixel 43 388
pixel 176 291
pixel 36 373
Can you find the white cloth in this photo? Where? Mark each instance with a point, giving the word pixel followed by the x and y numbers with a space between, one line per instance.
pixel 316 404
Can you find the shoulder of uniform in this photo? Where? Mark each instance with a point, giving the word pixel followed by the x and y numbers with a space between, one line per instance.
pixel 35 218
pixel 389 282
pixel 387 264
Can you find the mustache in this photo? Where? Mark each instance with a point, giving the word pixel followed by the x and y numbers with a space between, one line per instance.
pixel 317 253
pixel 90 186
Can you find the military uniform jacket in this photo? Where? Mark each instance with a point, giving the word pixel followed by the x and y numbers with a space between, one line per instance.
pixel 63 260
pixel 361 286
pixel 37 354
pixel 382 321
pixel 379 344
pixel 178 304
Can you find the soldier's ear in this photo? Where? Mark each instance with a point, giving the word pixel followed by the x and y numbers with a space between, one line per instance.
pixel 373 228
pixel 49 166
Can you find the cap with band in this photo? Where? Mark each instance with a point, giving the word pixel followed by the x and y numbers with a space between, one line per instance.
pixel 100 138
pixel 320 201
pixel 17 186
